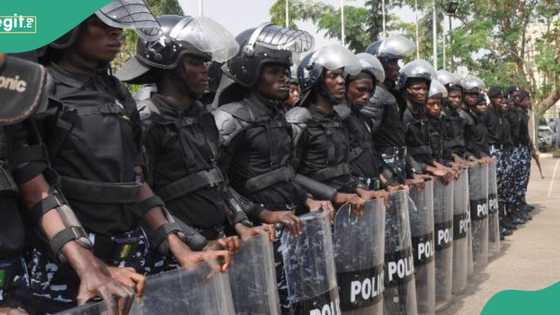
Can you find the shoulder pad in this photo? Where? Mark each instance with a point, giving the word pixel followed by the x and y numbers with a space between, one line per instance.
pixel 466 117
pixel 343 111
pixel 298 115
pixel 297 118
pixel 146 109
pixel 231 119
pixel 382 96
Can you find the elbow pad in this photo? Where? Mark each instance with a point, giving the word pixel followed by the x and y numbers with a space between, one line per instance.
pixel 315 188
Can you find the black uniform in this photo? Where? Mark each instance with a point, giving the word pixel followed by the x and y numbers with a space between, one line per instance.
pixel 182 149
pixel 322 146
pixel 418 137
pixel 257 154
pixel 455 133
pixel 521 157
pixel 476 133
pixel 388 133
pixel 93 136
pixel 365 161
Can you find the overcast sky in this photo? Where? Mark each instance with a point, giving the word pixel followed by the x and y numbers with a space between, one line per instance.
pixel 238 15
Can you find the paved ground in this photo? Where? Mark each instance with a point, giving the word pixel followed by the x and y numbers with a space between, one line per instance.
pixel 530 258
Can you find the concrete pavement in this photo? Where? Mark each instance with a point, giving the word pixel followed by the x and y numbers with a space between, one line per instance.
pixel 530 258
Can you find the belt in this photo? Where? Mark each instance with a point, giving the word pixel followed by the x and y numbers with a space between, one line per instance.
pixel 100 192
pixel 332 172
pixel 193 182
pixel 260 182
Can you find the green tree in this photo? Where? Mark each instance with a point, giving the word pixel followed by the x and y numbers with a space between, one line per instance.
pixel 171 7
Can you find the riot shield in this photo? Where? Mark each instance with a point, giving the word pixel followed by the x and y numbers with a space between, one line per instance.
pixel 359 244
pixel 98 308
pixel 443 234
pixel 478 186
pixel 421 211
pixel 400 288
pixel 309 267
pixel 253 280
pixel 201 291
pixel 461 247
pixel 494 243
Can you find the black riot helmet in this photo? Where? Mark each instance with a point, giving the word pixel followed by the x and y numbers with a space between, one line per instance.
pixel 267 43
pixel 313 66
pixel 416 70
pixel 134 14
pixel 180 35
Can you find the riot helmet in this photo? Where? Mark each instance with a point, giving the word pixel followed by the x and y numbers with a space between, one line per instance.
pixel 372 66
pixel 472 84
pixel 199 37
pixel 389 51
pixel 396 46
pixel 449 80
pixel 416 70
pixel 437 89
pixel 267 43
pixel 313 67
pixel 134 14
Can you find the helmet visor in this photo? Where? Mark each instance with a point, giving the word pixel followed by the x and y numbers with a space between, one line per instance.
pixel 372 65
pixel 419 69
pixel 437 89
pixel 446 77
pixel 470 82
pixel 396 46
pixel 206 36
pixel 280 38
pixel 335 57
pixel 130 14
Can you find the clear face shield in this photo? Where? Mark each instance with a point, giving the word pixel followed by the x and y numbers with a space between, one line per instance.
pixel 133 14
pixel 207 37
pixel 334 57
pixel 437 89
pixel 470 82
pixel 280 38
pixel 445 77
pixel 418 69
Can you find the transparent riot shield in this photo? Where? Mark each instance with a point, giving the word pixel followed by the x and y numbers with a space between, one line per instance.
pixel 478 186
pixel 494 243
pixel 443 234
pixel 201 291
pixel 253 280
pixel 359 244
pixel 400 287
pixel 421 211
pixel 309 267
pixel 88 309
pixel 461 247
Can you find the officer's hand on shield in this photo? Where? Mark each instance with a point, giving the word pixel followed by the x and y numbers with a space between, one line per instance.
pixel 354 200
pixel 286 218
pixel 247 233
pixel 129 277
pixel 189 259
pixel 96 281
pixel 321 205
pixel 372 194
pixel 417 181
pixel 230 244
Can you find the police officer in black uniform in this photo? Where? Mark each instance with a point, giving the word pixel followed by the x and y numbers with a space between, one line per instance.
pixel 255 137
pixel 414 81
pixel 23 97
pixel 181 138
pixel 384 109
pixel 93 136
pixel 322 142
pixel 365 161
pixel 501 145
pixel 476 133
